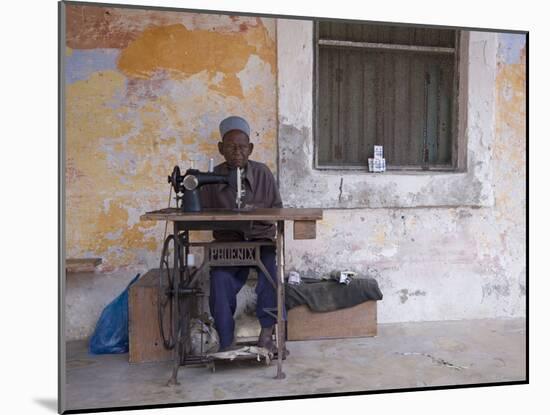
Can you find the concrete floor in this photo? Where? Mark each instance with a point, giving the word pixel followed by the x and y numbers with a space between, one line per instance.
pixel 401 356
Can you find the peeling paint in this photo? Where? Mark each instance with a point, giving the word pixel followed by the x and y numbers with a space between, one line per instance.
pixel 404 294
pixel 302 184
pixel 144 94
pixel 496 289
pixel 459 237
pixel 132 115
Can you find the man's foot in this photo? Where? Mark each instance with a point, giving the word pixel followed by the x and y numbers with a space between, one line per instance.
pixel 265 340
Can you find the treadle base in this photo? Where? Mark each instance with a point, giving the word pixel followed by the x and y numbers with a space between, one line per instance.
pixel 197 360
pixel 244 353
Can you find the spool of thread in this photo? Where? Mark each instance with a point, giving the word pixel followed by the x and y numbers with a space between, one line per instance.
pixel 294 278
pixel 238 187
pixel 190 260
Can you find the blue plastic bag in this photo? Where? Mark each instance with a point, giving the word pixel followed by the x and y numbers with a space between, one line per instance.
pixel 111 330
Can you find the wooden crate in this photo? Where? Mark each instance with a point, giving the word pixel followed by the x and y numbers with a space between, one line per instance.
pixel 357 321
pixel 144 334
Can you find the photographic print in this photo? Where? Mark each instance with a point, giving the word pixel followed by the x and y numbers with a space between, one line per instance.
pixel 258 207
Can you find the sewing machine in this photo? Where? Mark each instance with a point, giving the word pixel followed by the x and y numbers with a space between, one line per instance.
pixel 178 281
pixel 187 186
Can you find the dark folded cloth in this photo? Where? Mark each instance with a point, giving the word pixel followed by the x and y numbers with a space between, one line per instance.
pixel 323 295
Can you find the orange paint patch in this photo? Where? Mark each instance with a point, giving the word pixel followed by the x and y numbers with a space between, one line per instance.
pixel 510 117
pixel 209 149
pixel 510 140
pixel 230 85
pixel 189 139
pixel 266 48
pixel 125 133
pixel 112 220
pixel 174 48
pixel 135 238
pixel 112 230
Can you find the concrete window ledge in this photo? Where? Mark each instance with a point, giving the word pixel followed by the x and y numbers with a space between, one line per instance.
pixel 302 185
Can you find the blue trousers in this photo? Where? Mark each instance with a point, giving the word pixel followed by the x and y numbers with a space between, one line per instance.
pixel 226 282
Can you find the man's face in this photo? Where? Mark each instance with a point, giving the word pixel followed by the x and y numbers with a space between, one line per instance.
pixel 236 148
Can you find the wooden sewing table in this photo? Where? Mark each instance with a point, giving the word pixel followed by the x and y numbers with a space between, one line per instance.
pixel 184 282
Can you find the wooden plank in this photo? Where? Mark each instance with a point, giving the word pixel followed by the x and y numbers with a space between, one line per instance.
pixel 264 214
pixel 336 103
pixel 392 98
pixel 356 321
pixel 145 342
pixel 433 104
pixel 369 106
pixel 460 92
pixel 337 30
pixel 380 99
pixel 351 94
pixel 460 99
pixel 345 141
pixel 386 46
pixel 411 157
pixel 331 103
pixel 369 33
pixel 445 114
pixel 324 30
pixel 387 108
pixel 419 34
pixel 402 110
pixel 305 229
pixel 81 264
pixel 416 111
pixel 389 34
pixel 324 99
pixel 384 34
pixel 401 35
pixel 363 120
pixel 432 37
pixel 356 155
pixel 356 32
pixel 447 38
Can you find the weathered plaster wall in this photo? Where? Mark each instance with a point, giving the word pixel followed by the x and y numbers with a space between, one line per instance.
pixel 302 185
pixel 442 246
pixel 146 90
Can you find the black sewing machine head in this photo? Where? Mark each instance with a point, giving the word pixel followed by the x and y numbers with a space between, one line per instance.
pixel 187 186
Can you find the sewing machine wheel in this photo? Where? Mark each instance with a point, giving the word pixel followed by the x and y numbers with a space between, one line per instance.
pixel 174 324
pixel 165 293
pixel 175 179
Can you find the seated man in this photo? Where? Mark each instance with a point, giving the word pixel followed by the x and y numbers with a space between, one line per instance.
pixel 260 192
